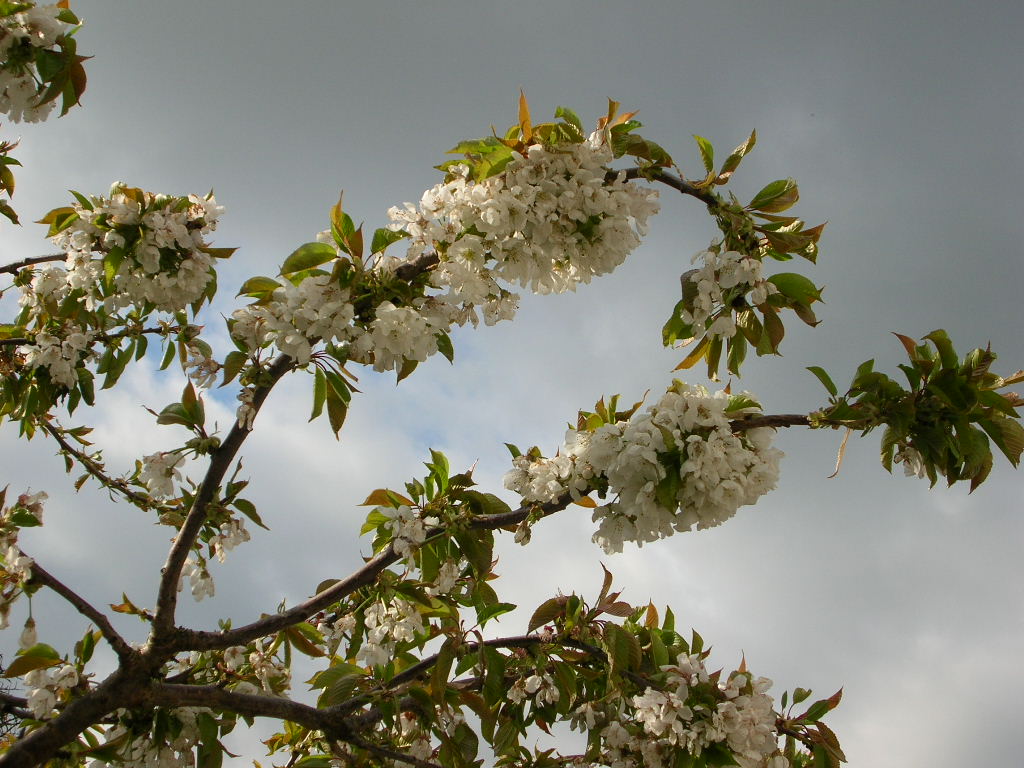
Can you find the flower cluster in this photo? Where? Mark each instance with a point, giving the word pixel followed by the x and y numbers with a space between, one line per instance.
pixel 274 676
pixel 160 471
pixel 388 624
pixel 61 355
pixel 407 528
pixel 228 536
pixel 44 688
pixel 912 461
pixel 155 245
pixel 333 629
pixel 691 712
pixel 16 566
pixel 22 36
pixel 416 740
pixel 677 466
pixel 199 579
pixel 132 251
pixel 716 284
pixel 540 686
pixel 296 317
pixel 174 747
pixel 549 221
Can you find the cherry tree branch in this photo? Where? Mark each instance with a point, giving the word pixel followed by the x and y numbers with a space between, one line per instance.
pixel 220 461
pixel 127 332
pixel 678 183
pixel 120 689
pixel 391 754
pixel 95 469
pixel 13 269
pixel 410 270
pixel 422 667
pixel 770 420
pixel 14 705
pixel 250 705
pixel 188 640
pixel 121 647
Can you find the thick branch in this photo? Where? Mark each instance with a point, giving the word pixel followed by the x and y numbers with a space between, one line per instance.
pixel 14 705
pixel 246 704
pixel 118 643
pixel 220 462
pixel 121 689
pixel 413 269
pixel 12 269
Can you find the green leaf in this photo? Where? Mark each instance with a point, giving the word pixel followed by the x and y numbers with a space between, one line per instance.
pixel 1006 433
pixel 776 197
pixel 59 219
pixel 547 611
pixel 485 503
pixel 944 347
pixel 248 509
pixel 39 656
pixel 819 709
pixel 696 355
pixel 319 393
pixel 442 668
pixel 233 364
pixel 622 647
pixel 491 611
pixel 796 287
pixel 175 413
pixel 676 329
pixel 337 406
pixel 707 153
pixel 307 256
pixel 258 287
pixel 444 346
pixel 382 238
pixel 732 162
pixel 408 366
pixel 824 378
pixel 737 353
pixel 571 118
pixel 84 648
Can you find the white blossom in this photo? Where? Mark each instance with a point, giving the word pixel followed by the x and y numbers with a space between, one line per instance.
pixel 160 471
pixel 688 434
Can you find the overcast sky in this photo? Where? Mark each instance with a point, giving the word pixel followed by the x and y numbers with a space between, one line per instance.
pixel 900 121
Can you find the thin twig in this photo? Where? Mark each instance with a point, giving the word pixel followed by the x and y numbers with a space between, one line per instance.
pixel 95 470
pixel 106 337
pixel 188 640
pixel 18 265
pixel 391 754
pixel 121 647
pixel 676 182
pixel 770 420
